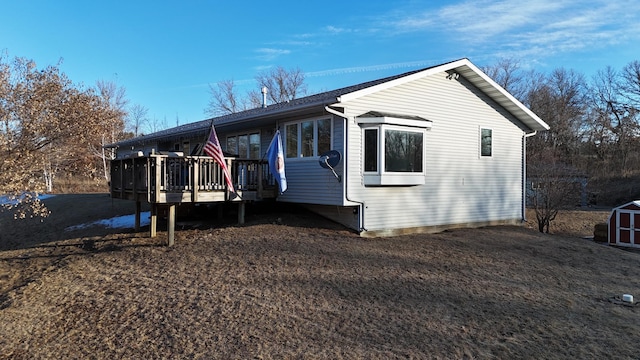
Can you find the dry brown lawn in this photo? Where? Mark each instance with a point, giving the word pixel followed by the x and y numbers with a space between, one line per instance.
pixel 292 285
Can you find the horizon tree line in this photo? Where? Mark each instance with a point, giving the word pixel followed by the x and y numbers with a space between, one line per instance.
pixel 51 127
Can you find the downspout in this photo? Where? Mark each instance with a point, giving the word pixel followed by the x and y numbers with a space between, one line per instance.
pixel 524 173
pixel 345 144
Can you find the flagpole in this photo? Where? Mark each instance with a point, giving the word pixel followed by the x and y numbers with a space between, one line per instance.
pixel 206 137
pixel 266 152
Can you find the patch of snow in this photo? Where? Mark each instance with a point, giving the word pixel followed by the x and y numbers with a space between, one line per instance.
pixel 118 222
pixel 10 200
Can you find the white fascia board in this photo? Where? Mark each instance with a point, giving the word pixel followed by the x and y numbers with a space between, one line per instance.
pixel 425 124
pixel 525 115
pixel 400 81
pixel 505 93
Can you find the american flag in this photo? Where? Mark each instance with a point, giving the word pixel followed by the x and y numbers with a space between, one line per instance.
pixel 213 149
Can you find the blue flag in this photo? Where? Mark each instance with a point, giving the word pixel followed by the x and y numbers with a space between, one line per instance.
pixel 275 155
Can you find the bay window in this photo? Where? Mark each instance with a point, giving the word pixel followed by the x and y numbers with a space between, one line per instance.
pixel 394 150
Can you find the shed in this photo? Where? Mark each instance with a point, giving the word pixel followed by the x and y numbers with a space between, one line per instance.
pixel 624 225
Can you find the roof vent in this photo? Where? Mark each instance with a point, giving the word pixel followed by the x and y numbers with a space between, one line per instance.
pixel 264 91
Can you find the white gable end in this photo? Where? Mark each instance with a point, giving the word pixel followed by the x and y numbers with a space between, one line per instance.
pixel 460 186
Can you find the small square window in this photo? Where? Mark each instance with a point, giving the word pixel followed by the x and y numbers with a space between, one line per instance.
pixel 486 139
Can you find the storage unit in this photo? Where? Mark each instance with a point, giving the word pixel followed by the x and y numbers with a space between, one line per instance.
pixel 624 225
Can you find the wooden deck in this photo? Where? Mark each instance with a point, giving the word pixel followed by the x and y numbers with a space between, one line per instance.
pixel 166 180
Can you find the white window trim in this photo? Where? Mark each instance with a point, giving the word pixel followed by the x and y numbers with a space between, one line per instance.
pixel 480 128
pixel 382 177
pixel 298 123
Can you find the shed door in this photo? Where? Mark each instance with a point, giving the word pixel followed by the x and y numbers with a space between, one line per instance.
pixel 626 231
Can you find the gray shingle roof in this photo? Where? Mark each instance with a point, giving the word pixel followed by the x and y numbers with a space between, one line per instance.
pixel 202 127
pixel 463 66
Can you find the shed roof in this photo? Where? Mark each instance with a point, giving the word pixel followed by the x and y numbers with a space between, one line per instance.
pixel 464 67
pixel 628 206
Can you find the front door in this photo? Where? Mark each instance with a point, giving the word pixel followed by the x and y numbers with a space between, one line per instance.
pixel 628 229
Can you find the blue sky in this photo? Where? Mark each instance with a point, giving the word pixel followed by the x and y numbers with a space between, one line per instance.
pixel 166 53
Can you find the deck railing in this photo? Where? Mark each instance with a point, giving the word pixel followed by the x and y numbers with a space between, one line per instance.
pixel 159 178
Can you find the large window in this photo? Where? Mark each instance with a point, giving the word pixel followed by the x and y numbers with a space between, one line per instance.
pixel 393 155
pixel 246 146
pixel 309 138
pixel 403 151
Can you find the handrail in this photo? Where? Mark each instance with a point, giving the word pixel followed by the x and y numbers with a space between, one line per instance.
pixel 157 176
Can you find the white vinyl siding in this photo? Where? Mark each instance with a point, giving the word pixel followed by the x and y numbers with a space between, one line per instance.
pixel 307 181
pixel 459 187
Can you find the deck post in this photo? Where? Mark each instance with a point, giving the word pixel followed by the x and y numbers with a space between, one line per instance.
pixel 195 179
pixel 220 207
pixel 154 220
pixel 137 218
pixel 241 208
pixel 122 179
pixel 157 187
pixel 171 224
pixel 260 186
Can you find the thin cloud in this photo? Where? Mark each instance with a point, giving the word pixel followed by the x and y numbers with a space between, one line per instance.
pixel 270 54
pixel 483 19
pixel 336 30
pixel 535 27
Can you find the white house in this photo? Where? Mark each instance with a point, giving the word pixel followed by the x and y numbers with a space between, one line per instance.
pixel 421 151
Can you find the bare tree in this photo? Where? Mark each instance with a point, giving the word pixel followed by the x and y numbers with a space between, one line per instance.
pixel 137 118
pixel 507 73
pixel 224 99
pixel 113 102
pixel 553 187
pixel 631 82
pixel 156 124
pixel 283 85
pixel 559 99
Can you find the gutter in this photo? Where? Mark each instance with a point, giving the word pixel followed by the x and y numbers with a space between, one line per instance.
pixel 524 173
pixel 345 144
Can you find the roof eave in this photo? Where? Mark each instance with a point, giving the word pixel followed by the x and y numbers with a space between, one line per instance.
pixel 472 74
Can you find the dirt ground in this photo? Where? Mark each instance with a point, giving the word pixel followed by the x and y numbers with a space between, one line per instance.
pixel 291 285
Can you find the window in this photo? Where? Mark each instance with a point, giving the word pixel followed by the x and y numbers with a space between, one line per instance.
pixel 232 144
pixel 254 146
pixel 291 134
pixel 402 160
pixel 371 150
pixel 245 146
pixel 309 138
pixel 403 151
pixel 324 135
pixel 485 142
